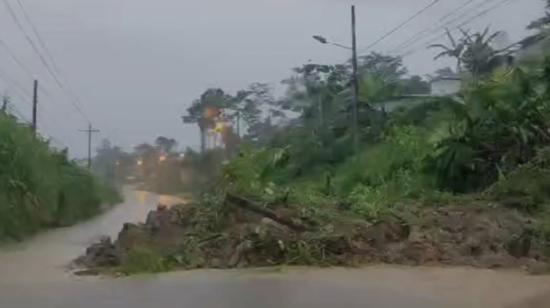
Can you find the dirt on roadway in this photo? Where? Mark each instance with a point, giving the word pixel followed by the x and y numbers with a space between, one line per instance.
pixel 33 274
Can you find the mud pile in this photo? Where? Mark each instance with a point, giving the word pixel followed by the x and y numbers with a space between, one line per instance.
pixel 244 234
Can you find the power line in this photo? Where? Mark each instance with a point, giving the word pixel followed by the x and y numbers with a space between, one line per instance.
pixel 38 36
pixel 16 84
pixel 20 63
pixel 468 21
pixel 44 127
pixel 439 23
pixel 454 11
pixel 401 25
pixel 15 59
pixel 20 115
pixel 44 62
pixel 24 96
pixel 28 37
pixel 449 23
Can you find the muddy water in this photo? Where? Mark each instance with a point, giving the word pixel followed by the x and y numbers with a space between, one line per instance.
pixel 33 275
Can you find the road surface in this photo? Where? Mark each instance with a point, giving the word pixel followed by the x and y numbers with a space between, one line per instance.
pixel 33 274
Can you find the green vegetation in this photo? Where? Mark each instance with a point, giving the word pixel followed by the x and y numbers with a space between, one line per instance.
pixel 144 260
pixel 480 139
pixel 487 144
pixel 40 187
pixel 462 179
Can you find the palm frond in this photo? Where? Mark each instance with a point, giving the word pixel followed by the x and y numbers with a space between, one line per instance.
pixel 450 36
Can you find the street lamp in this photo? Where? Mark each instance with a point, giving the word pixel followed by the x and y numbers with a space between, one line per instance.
pixel 323 40
pixel 355 77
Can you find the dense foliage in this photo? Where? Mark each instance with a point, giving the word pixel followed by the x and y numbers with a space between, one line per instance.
pixel 39 186
pixel 411 147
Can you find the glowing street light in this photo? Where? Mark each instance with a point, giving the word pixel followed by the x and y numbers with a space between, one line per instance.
pixel 219 127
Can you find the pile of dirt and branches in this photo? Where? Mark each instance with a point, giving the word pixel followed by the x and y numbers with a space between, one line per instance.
pixel 241 233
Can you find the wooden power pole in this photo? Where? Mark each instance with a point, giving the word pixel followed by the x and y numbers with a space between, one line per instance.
pixel 90 131
pixel 34 106
pixel 355 84
pixel 5 102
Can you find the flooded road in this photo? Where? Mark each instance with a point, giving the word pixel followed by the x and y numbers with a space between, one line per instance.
pixel 33 274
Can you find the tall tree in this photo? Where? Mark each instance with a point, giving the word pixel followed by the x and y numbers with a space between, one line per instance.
pixel 479 57
pixel 542 22
pixel 414 85
pixel 475 52
pixel 166 145
pixel 252 105
pixel 206 110
pixel 382 77
pixel 388 69
pixel 454 50
pixel 110 161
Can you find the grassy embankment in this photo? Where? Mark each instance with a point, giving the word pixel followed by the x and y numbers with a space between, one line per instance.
pixel 40 187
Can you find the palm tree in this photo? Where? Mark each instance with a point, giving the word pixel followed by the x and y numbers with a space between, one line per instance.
pixel 455 50
pixel 205 110
pixel 542 22
pixel 475 53
pixel 479 57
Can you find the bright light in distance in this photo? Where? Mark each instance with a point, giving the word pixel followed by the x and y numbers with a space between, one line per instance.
pixel 219 127
pixel 139 162
pixel 162 158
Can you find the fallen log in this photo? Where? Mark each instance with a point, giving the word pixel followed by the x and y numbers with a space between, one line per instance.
pixel 248 205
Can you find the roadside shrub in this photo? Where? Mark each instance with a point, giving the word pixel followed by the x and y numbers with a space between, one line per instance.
pixel 39 186
pixel 144 260
pixel 528 187
pixel 254 172
pixel 497 127
pixel 401 152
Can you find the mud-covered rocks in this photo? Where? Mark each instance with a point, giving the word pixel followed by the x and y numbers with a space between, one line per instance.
pixel 100 254
pixel 194 236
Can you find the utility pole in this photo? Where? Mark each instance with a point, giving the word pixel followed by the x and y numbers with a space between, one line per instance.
pixel 34 106
pixel 355 78
pixel 5 102
pixel 239 123
pixel 355 84
pixel 321 110
pixel 90 131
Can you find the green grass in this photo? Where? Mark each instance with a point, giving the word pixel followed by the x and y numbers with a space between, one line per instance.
pixel 144 260
pixel 40 187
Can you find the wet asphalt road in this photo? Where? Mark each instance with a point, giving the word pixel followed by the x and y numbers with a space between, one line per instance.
pixel 33 274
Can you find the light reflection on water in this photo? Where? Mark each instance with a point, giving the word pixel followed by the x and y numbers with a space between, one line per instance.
pixel 141 196
pixel 145 198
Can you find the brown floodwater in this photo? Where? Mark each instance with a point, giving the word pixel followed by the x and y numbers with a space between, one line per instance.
pixel 34 274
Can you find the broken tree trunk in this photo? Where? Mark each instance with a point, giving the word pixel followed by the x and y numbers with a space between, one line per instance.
pixel 250 206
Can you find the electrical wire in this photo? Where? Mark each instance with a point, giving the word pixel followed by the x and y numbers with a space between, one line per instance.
pixel 25 69
pixel 442 22
pixel 15 84
pixel 401 25
pixel 38 36
pixel 466 22
pixel 466 14
pixel 73 100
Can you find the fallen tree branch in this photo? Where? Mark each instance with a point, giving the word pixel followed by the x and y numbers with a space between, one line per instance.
pixel 250 206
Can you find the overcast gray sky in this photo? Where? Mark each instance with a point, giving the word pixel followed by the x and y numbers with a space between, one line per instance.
pixel 136 65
